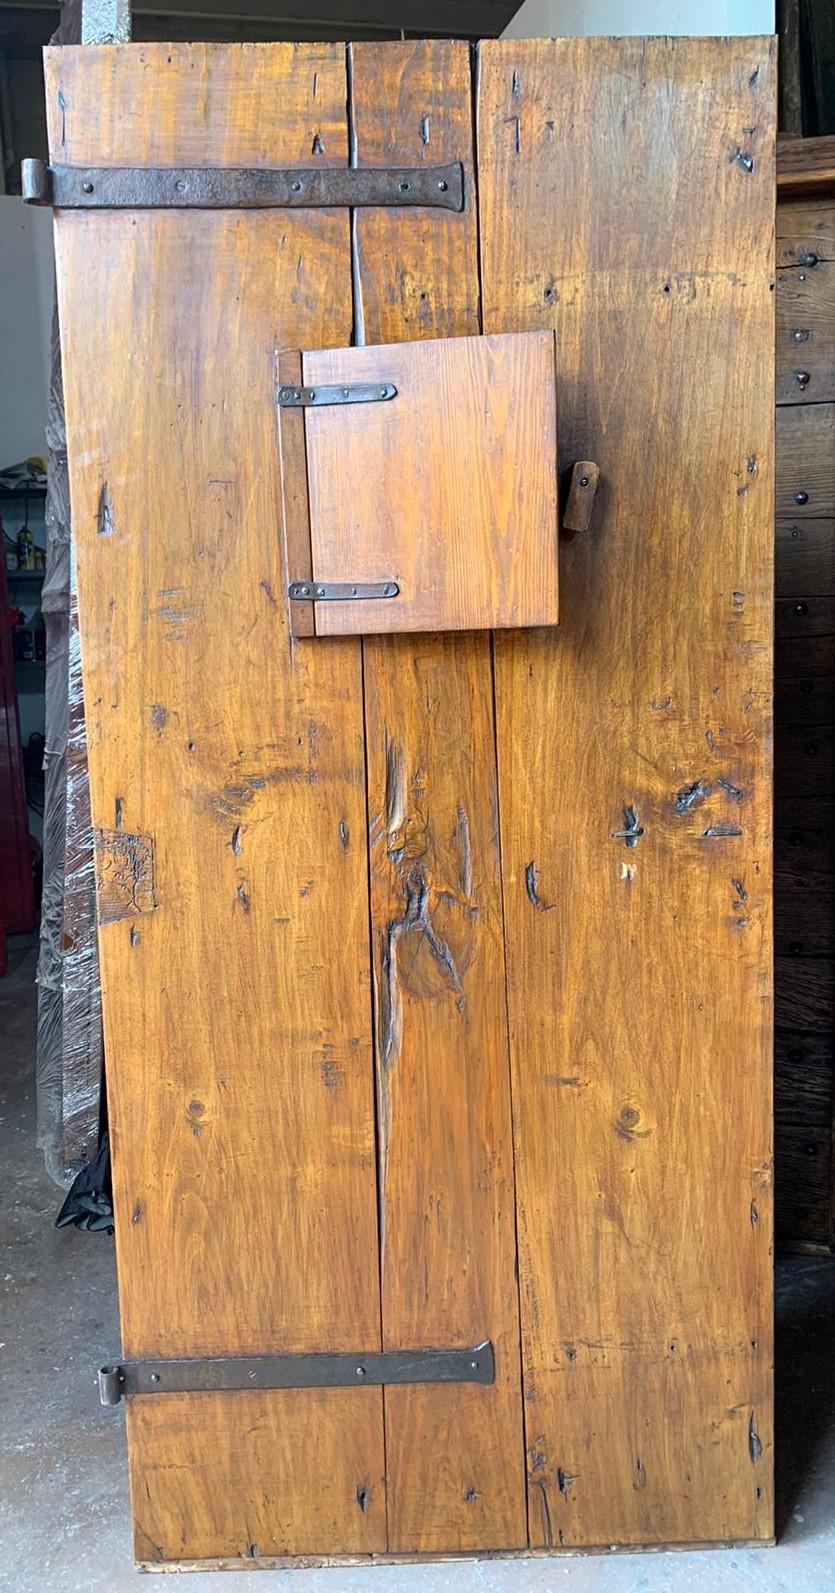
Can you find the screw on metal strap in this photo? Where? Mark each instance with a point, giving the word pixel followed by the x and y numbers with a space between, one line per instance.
pixel 230 1373
pixel 319 397
pixel 340 591
pixel 240 187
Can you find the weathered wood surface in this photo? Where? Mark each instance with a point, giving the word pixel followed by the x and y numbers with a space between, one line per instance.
pixel 805 717
pixel 454 1456
pixel 639 972
pixel 802 1166
pixel 806 333
pixel 806 462
pixel 237 1009
pixel 806 166
pixel 449 488
pixel 805 557
pixel 805 230
pixel 610 810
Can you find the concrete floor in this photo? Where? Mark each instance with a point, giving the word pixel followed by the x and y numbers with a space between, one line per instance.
pixel 64 1518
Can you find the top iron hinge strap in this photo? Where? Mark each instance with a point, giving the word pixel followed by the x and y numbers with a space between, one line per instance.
pixel 240 187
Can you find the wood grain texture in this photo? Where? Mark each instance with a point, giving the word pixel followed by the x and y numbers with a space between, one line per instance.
pixel 449 488
pixel 803 1173
pixel 810 615
pixel 805 680
pixel 805 557
pixel 640 978
pixel 804 994
pixel 803 1078
pixel 805 165
pixel 229 1474
pixel 804 834
pixel 583 484
pixel 237 1012
pixel 806 333
pixel 805 232
pixel 806 462
pixel 804 760
pixel 804 914
pixel 448 1244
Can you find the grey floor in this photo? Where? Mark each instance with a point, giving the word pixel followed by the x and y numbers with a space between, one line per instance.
pixel 64 1521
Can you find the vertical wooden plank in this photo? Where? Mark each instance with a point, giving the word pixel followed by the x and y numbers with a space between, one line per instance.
pixel 804 665
pixel 227 782
pixel 626 195
pixel 454 1456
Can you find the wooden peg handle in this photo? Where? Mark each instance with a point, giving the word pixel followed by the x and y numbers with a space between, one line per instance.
pixel 579 504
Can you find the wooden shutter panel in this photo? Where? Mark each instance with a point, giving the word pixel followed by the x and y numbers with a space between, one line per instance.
pixel 563 905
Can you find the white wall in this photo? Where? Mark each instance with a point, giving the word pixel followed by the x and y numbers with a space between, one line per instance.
pixel 544 19
pixel 26 287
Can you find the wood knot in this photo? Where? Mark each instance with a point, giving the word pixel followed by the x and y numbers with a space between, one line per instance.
pixel 628 1121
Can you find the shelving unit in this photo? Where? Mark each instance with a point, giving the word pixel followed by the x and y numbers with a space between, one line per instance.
pixel 24 505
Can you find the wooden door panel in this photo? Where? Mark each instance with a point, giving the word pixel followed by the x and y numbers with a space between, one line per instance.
pixel 236 1001
pixel 446 490
pixel 567 886
pixel 446 1180
pixel 639 976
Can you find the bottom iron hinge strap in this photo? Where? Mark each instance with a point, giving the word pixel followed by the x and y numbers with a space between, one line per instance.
pixel 228 1373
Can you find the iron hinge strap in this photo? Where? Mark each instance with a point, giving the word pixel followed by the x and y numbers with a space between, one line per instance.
pixel 214 1374
pixel 240 187
pixel 340 591
pixel 339 393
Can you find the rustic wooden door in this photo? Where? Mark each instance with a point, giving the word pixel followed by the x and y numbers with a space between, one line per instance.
pixel 436 969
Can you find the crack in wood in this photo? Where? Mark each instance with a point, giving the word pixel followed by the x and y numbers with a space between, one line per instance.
pixel 531 886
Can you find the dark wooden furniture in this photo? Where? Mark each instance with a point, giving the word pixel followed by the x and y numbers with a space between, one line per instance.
pixel 804 885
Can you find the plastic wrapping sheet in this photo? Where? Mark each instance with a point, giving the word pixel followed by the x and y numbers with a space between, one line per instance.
pixel 69 1044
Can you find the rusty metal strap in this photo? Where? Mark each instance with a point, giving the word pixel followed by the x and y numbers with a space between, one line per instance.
pixel 230 1373
pixel 240 187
